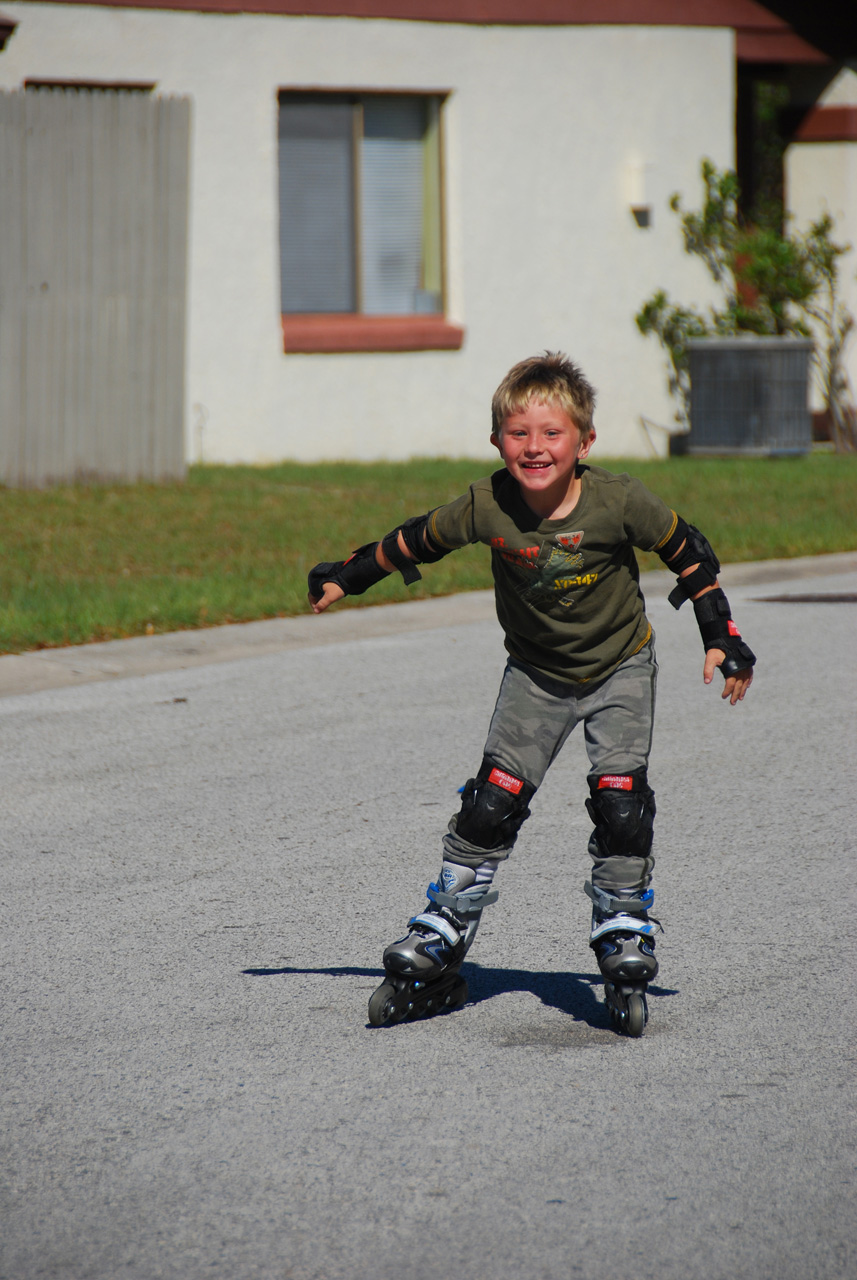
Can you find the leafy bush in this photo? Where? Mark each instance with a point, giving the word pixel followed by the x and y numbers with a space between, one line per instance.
pixel 771 282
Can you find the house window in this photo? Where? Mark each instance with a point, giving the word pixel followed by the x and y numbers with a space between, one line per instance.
pixel 361 243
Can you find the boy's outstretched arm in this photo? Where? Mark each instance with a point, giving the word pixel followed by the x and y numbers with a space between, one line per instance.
pixel 689 553
pixel 403 549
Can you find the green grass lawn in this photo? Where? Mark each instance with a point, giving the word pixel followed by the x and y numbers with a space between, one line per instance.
pixel 235 543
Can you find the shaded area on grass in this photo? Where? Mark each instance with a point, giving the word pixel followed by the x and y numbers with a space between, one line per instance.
pixel 233 544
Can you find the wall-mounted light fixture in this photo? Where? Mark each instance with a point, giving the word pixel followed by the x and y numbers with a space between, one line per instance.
pixel 637 184
pixel 7 28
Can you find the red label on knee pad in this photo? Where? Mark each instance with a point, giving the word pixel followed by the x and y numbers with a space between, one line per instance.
pixel 733 630
pixel 505 780
pixel 616 782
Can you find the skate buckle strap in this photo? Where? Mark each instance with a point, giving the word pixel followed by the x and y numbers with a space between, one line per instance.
pixel 608 905
pixel 438 924
pixel 624 924
pixel 473 899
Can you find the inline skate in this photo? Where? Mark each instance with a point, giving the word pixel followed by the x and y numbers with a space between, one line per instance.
pixel 422 970
pixel 622 938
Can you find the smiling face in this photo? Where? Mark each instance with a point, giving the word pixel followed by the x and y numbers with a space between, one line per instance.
pixel 541 447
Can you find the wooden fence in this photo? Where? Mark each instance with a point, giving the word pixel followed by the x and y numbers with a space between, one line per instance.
pixel 93 265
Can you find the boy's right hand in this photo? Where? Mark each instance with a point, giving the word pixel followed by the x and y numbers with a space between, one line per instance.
pixel 736 685
pixel 332 593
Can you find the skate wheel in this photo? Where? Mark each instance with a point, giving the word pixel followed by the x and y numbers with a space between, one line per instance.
pixel 457 996
pixel 382 1005
pixel 635 1018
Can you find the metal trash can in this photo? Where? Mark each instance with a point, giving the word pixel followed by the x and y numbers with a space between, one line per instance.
pixel 749 395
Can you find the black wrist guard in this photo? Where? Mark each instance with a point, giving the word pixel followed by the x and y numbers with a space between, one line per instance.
pixel 718 631
pixel 696 550
pixel 354 576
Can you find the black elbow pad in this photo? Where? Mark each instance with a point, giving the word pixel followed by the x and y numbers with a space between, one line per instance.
pixel 697 550
pixel 393 552
pixel 414 531
pixel 422 551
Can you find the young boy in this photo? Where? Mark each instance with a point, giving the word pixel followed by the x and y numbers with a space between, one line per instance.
pixel 580 650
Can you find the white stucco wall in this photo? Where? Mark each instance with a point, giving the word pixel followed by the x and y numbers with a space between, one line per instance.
pixel 542 128
pixel 821 177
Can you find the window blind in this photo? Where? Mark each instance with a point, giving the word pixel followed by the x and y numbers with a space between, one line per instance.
pixel 316 164
pixel 391 205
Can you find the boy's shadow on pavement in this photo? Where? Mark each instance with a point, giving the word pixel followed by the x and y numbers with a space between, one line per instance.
pixel 573 994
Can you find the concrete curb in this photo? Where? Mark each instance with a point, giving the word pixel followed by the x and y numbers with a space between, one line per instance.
pixel 174 651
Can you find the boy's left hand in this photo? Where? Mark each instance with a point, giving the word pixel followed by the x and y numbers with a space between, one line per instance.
pixel 735 688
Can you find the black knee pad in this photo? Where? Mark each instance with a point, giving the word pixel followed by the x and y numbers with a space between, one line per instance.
pixel 494 804
pixel 622 806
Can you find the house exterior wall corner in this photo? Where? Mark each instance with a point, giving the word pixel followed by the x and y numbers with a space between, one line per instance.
pixel 543 128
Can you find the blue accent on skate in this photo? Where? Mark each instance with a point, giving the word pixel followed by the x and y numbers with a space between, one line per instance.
pixel 436 950
pixel 433 888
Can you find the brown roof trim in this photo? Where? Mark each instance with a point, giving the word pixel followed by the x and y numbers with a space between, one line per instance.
pixel 777 46
pixel 678 13
pixel 7 30
pixel 303 334
pixel 828 124
pixel 762 36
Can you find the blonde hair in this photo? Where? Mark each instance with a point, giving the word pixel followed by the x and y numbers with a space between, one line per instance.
pixel 550 378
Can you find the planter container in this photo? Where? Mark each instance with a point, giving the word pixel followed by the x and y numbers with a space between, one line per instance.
pixel 749 396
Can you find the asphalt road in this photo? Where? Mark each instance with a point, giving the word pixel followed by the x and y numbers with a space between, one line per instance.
pixel 204 855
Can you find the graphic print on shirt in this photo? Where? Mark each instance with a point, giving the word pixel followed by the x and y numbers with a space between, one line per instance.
pixel 556 581
pixel 522 557
pixel 559 577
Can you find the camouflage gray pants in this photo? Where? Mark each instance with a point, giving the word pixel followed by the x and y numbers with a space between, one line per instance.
pixel 533 718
